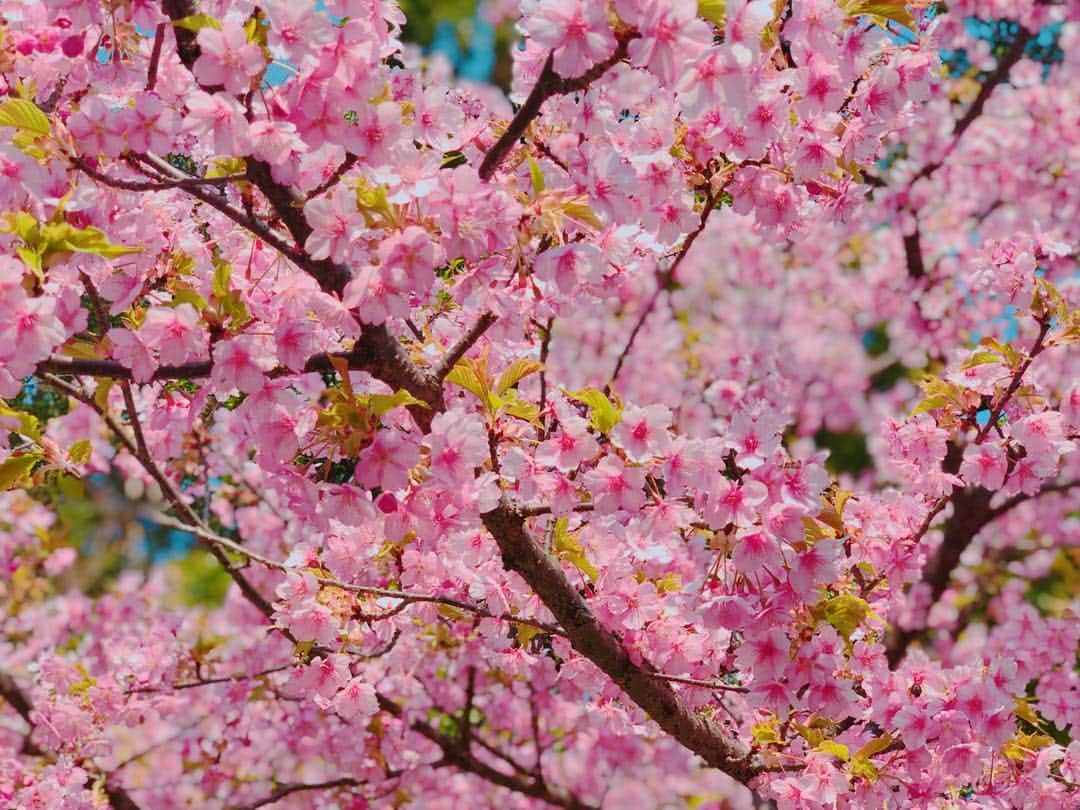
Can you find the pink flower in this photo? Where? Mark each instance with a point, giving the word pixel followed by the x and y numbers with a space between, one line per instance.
pixel 730 502
pixel 336 224
pixel 615 486
pixel 413 253
pixel 458 444
pixel 129 349
pixel 984 465
pixel 29 331
pixel 570 266
pixel 241 362
pixel 311 622
pixel 175 332
pixel 1040 433
pixel 375 133
pixel 97 129
pixel 296 341
pixel 755 550
pixel 672 34
pixel 765 655
pixel 152 125
pixel 571 446
pixel 220 118
pixel 386 462
pixel 324 676
pixel 576 30
pixel 356 701
pixel 227 58
pixel 643 432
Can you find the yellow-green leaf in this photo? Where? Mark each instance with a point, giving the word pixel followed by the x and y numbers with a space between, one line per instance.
pixel 515 406
pixel 568 546
pixel 712 10
pixel 874 747
pixel 341 366
pixel 603 414
pixel 383 403
pixel 197 22
pixel 814 530
pixel 838 750
pixel 473 378
pixel 669 583
pixel 767 731
pixel 24 423
pixel 60 237
pixel 846 612
pixel 222 277
pixel 16 469
pixel 79 452
pixel 526 633
pixel 981 359
pixel 879 10
pixel 864 768
pixel 101 393
pixel 536 176
pixel 931 404
pixel 516 372
pixel 24 115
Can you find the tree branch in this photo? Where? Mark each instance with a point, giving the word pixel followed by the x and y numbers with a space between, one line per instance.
pixel 289 788
pixel 14 696
pixel 547 85
pixel 466 342
pixel 454 754
pixel 590 638
pixel 664 279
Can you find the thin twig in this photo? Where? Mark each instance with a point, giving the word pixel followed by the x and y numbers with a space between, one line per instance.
pixel 466 342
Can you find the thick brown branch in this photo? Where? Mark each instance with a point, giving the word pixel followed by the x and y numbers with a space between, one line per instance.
pixel 521 554
pixel 547 85
pixel 913 253
pixel 186 46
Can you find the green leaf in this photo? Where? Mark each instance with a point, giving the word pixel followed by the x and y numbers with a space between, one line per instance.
pixel 17 468
pixel 79 452
pixel 568 546
pixel 222 275
pixel 846 612
pixel 516 372
pixel 60 237
pixel 537 177
pixel 197 22
pixel 513 405
pixel 25 116
pixel 838 750
pixel 27 423
pixel 187 295
pixel 880 10
pixel 32 259
pixel 101 393
pixel 981 359
pixel 814 530
pixel 874 747
pixel 472 376
pixel 383 403
pixel 452 159
pixel 711 10
pixel 603 414
pixel 931 404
